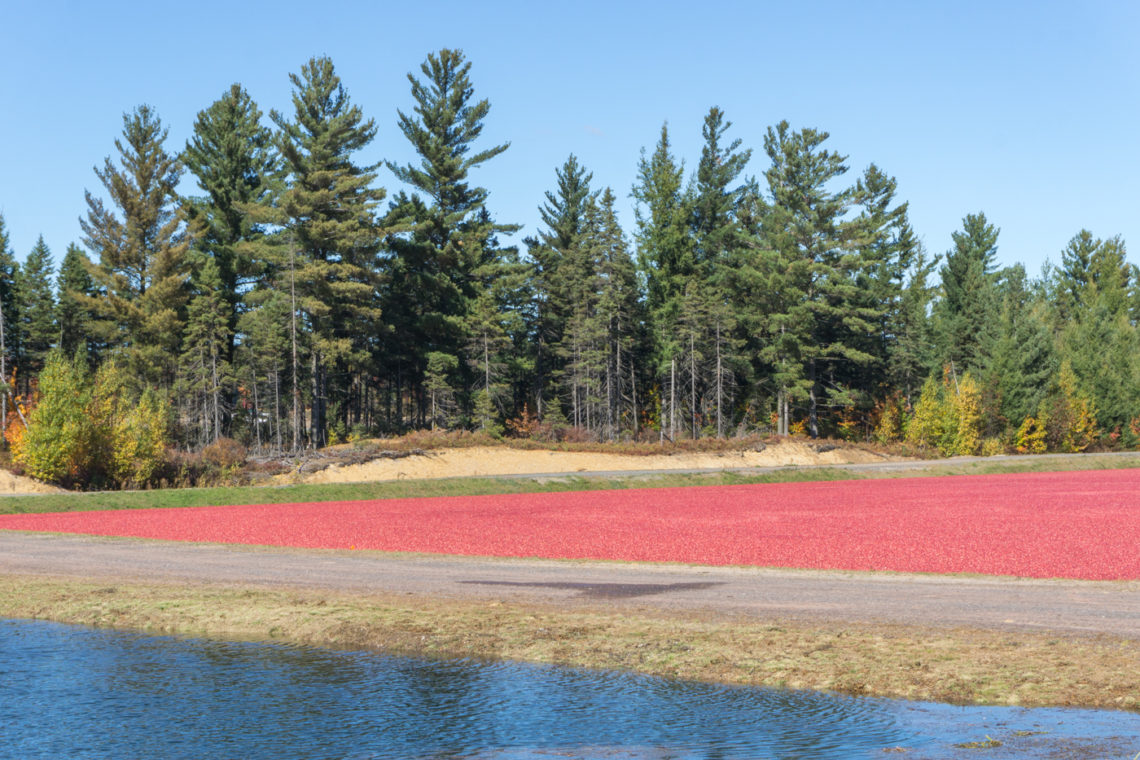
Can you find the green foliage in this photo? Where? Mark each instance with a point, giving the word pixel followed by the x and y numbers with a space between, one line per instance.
pixel 62 440
pixel 76 290
pixel 438 386
pixel 84 433
pixel 968 305
pixel 36 310
pixel 329 210
pixel 141 269
pixel 132 428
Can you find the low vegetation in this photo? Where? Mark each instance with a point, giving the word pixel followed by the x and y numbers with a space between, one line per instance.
pixel 959 666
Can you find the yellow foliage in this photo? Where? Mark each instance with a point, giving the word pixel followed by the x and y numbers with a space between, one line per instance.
pixel 965 417
pixel 890 425
pixel 1072 424
pixel 88 433
pixel 926 424
pixel 948 415
pixel 1031 436
pixel 132 436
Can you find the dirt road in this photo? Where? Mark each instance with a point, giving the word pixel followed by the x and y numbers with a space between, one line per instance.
pixel 1069 607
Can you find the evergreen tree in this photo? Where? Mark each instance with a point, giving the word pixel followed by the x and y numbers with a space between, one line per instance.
pixel 968 305
pixel 234 160
pixel 666 260
pixel 140 275
pixel 909 353
pixel 715 200
pixel 263 367
pixel 619 310
pixel 206 370
pixel 37 310
pixel 76 288
pixel 9 321
pixel 451 239
pixel 329 209
pixel 1020 360
pixel 717 236
pixel 564 214
pixel 815 307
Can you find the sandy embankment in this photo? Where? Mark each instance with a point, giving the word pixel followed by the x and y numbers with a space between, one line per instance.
pixel 11 484
pixel 490 460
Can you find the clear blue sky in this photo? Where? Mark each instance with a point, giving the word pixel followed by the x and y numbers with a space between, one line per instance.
pixel 1027 111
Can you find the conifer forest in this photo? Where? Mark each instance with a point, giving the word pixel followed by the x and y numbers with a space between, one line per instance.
pixel 295 302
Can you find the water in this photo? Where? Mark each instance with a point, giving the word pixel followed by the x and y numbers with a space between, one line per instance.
pixel 69 691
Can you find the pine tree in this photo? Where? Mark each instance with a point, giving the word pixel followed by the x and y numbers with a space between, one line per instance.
pixel 206 370
pixel 968 305
pixel 666 261
pixel 910 356
pixel 9 322
pixel 37 310
pixel 264 367
pixel 717 239
pixel 715 200
pixel 234 160
pixel 1020 360
pixel 620 312
pixel 75 289
pixel 815 307
pixel 453 238
pixel 141 269
pixel 564 214
pixel 329 209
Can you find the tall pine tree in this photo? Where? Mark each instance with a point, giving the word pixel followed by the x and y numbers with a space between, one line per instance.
pixel 141 272
pixel 37 310
pixel 329 209
pixel 450 251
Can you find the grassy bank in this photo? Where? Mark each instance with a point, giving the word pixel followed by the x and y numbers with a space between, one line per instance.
pixel 962 666
pixel 199 497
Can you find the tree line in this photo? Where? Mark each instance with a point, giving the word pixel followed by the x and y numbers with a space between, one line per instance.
pixel 295 302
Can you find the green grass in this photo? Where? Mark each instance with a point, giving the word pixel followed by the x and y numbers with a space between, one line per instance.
pixel 201 497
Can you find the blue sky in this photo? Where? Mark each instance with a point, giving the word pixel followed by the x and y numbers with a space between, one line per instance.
pixel 1025 111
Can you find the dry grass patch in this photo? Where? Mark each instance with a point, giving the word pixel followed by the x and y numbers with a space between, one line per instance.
pixel 961 666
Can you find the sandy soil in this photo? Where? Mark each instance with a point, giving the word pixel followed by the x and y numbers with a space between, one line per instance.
pixel 488 460
pixel 17 484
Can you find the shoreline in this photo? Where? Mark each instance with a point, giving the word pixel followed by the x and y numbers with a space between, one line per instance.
pixel 961 665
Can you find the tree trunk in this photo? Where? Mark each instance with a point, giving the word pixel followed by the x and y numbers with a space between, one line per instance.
pixel 693 386
pixel 719 386
pixel 293 332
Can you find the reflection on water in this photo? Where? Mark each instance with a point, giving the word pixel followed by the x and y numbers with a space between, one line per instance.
pixel 68 691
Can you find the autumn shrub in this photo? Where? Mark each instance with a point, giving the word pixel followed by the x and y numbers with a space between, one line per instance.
pixel 133 428
pixel 1070 415
pixel 1030 436
pixel 948 416
pixel 225 454
pixel 60 442
pixel 891 416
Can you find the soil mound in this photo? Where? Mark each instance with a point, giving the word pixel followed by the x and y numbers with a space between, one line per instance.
pixel 494 460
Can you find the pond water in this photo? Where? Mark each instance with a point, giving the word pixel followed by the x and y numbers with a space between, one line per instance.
pixel 70 691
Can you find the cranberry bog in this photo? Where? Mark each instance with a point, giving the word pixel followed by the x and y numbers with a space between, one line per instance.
pixel 1080 525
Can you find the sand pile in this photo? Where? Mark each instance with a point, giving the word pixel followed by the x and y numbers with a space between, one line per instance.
pixel 489 460
pixel 11 483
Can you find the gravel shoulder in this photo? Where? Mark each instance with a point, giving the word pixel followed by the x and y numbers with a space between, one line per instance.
pixel 1014 604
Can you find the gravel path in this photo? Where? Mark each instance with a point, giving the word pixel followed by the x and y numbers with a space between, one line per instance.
pixel 1069 607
